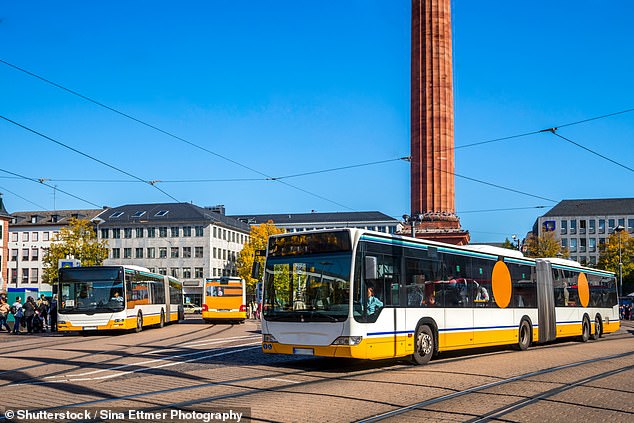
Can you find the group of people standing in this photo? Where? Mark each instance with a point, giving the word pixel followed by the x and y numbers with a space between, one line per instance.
pixel 35 315
pixel 625 311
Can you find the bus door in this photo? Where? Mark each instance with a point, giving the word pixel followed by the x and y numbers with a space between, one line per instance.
pixel 547 324
pixel 168 308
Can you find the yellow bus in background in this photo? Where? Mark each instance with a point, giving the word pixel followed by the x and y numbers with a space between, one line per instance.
pixel 225 298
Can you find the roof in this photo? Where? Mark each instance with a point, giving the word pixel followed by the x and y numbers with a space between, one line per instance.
pixel 47 218
pixel 167 213
pixel 3 211
pixel 593 207
pixel 317 218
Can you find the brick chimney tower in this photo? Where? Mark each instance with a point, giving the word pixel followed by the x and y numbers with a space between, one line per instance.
pixel 433 211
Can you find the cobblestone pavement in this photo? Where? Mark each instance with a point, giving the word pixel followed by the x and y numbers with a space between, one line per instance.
pixel 198 366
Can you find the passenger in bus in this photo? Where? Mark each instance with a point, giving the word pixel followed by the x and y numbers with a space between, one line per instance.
pixel 566 294
pixel 415 296
pixel 374 304
pixel 429 295
pixel 482 294
pixel 116 297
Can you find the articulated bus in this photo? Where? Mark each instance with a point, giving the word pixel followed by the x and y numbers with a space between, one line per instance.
pixel 370 295
pixel 225 299
pixel 117 298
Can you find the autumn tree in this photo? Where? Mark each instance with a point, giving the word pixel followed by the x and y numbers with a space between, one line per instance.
pixel 257 242
pixel 77 240
pixel 545 245
pixel 609 257
pixel 508 244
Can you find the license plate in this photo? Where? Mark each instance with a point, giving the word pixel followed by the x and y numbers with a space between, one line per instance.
pixel 303 351
pixel 224 310
pixel 89 328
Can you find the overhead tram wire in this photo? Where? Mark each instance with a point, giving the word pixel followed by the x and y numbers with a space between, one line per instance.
pixel 22 198
pixel 554 132
pixel 42 182
pixel 543 130
pixel 98 103
pixel 87 155
pixel 501 209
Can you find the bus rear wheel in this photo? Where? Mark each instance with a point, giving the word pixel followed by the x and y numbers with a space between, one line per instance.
pixel 139 322
pixel 585 329
pixel 598 328
pixel 424 345
pixel 524 336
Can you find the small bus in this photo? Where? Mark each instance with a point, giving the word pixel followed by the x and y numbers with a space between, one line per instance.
pixel 225 298
pixel 123 298
pixel 361 294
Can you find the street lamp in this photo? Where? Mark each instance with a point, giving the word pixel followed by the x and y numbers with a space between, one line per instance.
pixel 618 230
pixel 516 239
pixel 412 220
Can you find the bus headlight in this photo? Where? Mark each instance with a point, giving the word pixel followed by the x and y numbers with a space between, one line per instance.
pixel 268 338
pixel 348 340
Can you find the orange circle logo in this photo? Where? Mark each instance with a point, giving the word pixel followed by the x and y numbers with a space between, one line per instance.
pixel 501 283
pixel 584 289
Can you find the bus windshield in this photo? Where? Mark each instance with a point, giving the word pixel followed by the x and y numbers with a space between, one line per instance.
pixel 303 288
pixel 91 291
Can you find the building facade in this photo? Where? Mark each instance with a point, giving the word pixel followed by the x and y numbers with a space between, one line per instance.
pixel 582 226
pixel 5 218
pixel 30 235
pixel 299 222
pixel 183 240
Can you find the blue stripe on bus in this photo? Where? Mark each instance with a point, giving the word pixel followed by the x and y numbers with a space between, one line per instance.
pixel 390 333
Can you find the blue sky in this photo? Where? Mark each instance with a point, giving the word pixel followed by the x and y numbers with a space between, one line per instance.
pixel 288 87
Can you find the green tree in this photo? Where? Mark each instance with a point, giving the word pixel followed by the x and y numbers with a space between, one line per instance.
pixel 77 240
pixel 509 245
pixel 257 242
pixel 609 258
pixel 545 245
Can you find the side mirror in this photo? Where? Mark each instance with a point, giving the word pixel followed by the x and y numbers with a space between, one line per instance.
pixel 255 270
pixel 371 268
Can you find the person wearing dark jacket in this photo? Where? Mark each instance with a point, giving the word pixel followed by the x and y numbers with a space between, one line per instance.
pixel 29 313
pixel 52 314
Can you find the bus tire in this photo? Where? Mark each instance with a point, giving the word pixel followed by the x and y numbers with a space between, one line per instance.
pixel 524 337
pixel 162 321
pixel 598 328
pixel 139 322
pixel 585 329
pixel 424 345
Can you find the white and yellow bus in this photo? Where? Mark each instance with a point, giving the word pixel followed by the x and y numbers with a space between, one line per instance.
pixel 429 297
pixel 225 298
pixel 116 298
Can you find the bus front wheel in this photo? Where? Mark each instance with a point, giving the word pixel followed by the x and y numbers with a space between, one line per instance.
pixel 425 345
pixel 139 322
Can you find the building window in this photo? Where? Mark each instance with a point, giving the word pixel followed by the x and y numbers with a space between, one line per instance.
pixel 127 232
pixel 25 275
pixel 582 245
pixel 224 254
pixel 200 230
pixel 187 272
pixel 198 272
pixel 105 233
pixel 224 234
pixel 601 242
pixel 214 252
pixel 601 226
pixel 573 245
pixel 162 252
pixel 34 236
pixel 174 252
pixel 187 252
pixel 25 254
pixel 592 245
pixel 564 242
pixel 214 234
pixel 127 253
pixel 45 236
pixel 161 213
pixel 593 261
pixel 187 231
pixel 591 226
pixel 14 276
pixel 622 222
pixel 630 225
pixel 174 230
pixel 198 252
pixel 573 227
pixel 138 213
pixel 151 252
pixel 163 232
pixel 14 254
pixel 35 275
pixel 116 214
pixel 35 254
pixel 174 272
pixel 25 236
pixel 139 232
pixel 163 271
pixel 582 226
pixel 138 253
pixel 116 253
pixel 151 232
pixel 14 237
pixel 611 225
pixel 116 233
pixel 214 271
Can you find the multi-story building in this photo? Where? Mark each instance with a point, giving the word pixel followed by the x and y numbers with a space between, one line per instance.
pixel 583 225
pixel 297 222
pixel 5 218
pixel 188 242
pixel 30 235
